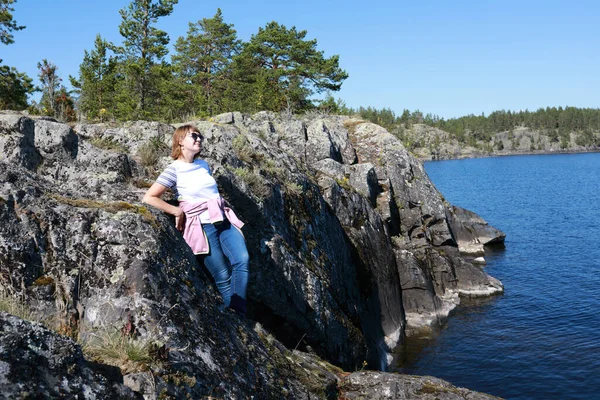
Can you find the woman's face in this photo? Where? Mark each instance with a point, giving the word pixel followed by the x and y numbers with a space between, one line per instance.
pixel 192 142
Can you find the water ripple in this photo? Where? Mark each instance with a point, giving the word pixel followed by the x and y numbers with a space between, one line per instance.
pixel 538 340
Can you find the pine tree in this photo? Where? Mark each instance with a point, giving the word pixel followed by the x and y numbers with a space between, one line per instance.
pixel 202 60
pixel 14 85
pixel 7 23
pixel 142 54
pixel 291 68
pixel 14 88
pixel 97 81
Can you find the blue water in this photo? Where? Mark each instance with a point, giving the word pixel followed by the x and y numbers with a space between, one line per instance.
pixel 541 339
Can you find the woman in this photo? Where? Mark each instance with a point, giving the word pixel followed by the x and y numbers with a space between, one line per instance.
pixel 209 226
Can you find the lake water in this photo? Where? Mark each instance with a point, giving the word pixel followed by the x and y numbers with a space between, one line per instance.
pixel 541 339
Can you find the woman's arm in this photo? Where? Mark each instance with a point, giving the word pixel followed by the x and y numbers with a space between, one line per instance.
pixel 153 198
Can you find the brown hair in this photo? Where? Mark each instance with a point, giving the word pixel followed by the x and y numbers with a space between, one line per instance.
pixel 178 136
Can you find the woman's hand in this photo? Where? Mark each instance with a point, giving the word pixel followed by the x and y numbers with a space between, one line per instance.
pixel 180 220
pixel 153 198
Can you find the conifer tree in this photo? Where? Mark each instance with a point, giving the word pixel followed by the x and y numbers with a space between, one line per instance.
pixel 14 88
pixel 142 58
pixel 291 68
pixel 14 85
pixel 202 59
pixel 97 81
pixel 7 23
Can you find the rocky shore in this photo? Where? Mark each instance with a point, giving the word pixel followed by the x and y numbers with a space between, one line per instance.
pixel 352 249
pixel 427 143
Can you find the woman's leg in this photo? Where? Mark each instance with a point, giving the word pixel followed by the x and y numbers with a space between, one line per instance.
pixel 216 262
pixel 234 247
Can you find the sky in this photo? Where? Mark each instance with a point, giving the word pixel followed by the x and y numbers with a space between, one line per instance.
pixel 445 57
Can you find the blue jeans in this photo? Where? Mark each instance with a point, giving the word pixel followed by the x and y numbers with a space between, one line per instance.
pixel 227 260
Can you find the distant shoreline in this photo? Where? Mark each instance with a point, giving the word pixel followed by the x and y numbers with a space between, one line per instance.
pixel 507 154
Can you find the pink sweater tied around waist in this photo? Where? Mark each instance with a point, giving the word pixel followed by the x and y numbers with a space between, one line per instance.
pixel 193 233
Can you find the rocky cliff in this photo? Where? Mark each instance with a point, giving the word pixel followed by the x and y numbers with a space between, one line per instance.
pixel 351 246
pixel 428 143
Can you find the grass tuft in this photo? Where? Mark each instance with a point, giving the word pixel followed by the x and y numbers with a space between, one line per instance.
pixel 351 124
pixel 140 183
pixel 112 347
pixel 108 144
pixel 113 207
pixel 151 151
pixel 15 306
pixel 293 188
pixel 254 181
pixel 241 147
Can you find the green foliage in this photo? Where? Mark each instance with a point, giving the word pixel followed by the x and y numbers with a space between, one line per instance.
pixel 97 82
pixel 270 167
pixel 293 188
pixel 14 88
pixel 478 131
pixel 202 62
pixel 50 86
pixel 142 68
pixel 553 135
pixel 254 181
pixel 564 141
pixel 65 105
pixel 286 68
pixel 14 85
pixel 7 23
pixel 552 120
pixel 212 71
pixel 329 105
pixel 384 117
pixel 585 138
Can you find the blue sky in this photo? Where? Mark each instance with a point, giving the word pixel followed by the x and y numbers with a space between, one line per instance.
pixel 450 58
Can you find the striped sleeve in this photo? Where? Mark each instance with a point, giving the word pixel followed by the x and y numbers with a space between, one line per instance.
pixel 208 168
pixel 168 178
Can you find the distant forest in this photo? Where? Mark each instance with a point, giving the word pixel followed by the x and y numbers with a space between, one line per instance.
pixel 554 122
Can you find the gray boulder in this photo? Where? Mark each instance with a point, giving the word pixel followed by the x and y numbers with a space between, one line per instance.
pixel 471 232
pixel 38 363
pixel 386 386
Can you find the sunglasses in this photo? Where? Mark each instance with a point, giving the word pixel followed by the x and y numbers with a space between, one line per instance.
pixel 195 136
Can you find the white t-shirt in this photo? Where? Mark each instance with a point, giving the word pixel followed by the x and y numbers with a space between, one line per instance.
pixel 191 182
